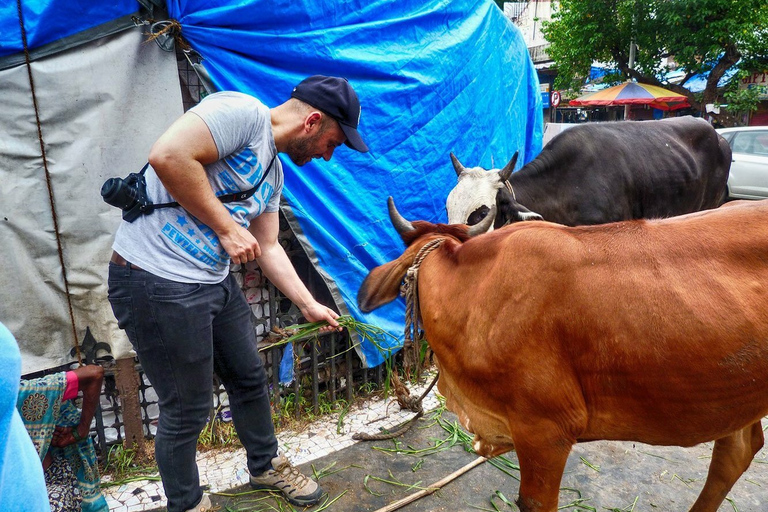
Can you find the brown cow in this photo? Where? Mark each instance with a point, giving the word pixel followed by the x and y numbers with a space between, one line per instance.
pixel 646 330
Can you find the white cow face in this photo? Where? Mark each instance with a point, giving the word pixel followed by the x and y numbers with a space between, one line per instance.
pixel 478 190
pixel 471 199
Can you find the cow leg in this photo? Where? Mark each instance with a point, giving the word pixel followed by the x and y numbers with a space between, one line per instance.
pixel 731 457
pixel 541 469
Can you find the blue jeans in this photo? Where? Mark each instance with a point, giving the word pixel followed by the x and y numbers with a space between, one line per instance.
pixel 182 333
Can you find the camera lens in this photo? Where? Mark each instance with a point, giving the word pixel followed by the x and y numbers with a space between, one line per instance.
pixel 116 193
pixel 109 188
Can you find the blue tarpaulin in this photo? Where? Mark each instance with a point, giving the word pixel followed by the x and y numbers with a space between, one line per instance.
pixel 48 21
pixel 432 77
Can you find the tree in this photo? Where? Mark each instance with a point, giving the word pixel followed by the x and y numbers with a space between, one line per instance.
pixel 698 36
pixel 740 102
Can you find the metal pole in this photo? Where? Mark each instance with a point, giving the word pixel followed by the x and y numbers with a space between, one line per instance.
pixel 631 61
pixel 333 367
pixel 631 65
pixel 296 380
pixel 313 347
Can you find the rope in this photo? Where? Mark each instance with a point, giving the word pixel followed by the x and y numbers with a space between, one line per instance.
pixel 28 61
pixel 170 28
pixel 409 290
pixel 406 401
pixel 508 185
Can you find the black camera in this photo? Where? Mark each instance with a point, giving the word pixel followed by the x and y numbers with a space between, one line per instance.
pixel 129 194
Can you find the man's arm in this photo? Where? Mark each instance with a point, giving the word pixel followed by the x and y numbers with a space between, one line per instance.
pixel 178 157
pixel 279 270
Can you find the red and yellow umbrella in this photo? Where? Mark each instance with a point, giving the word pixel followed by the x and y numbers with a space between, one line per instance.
pixel 633 93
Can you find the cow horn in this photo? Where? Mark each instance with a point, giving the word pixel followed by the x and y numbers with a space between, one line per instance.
pixel 401 225
pixel 484 225
pixel 457 165
pixel 506 172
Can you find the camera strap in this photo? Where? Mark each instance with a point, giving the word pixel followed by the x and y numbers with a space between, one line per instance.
pixel 225 198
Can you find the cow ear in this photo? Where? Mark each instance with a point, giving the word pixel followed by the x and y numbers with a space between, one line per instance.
pixel 382 284
pixel 457 165
pixel 511 211
pixel 526 215
pixel 506 172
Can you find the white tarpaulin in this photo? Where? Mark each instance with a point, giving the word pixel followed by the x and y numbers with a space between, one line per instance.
pixel 101 106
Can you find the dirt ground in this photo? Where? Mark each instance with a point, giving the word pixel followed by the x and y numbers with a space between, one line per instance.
pixel 599 476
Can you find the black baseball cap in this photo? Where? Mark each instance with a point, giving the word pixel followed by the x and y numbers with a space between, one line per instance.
pixel 335 97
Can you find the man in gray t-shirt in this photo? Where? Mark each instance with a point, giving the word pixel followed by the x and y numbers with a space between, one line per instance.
pixel 169 282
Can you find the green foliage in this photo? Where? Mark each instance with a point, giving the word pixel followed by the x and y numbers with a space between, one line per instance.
pixel 291 407
pixel 700 35
pixel 126 465
pixel 218 434
pixel 740 101
pixel 120 460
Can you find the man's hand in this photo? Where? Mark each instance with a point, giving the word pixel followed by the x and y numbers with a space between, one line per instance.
pixel 316 312
pixel 240 244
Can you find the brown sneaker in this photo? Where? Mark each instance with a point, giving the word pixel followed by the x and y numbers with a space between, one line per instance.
pixel 297 488
pixel 204 505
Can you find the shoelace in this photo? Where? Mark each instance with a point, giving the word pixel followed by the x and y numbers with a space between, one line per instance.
pixel 290 473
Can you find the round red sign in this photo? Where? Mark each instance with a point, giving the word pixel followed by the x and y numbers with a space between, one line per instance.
pixel 554 98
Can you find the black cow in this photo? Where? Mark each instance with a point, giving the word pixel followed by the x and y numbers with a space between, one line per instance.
pixel 602 172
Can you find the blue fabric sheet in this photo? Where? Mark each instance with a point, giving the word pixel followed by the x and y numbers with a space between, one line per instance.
pixel 46 21
pixel 432 76
pixel 22 483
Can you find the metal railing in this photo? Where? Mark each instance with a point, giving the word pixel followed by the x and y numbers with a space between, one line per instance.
pixel 539 53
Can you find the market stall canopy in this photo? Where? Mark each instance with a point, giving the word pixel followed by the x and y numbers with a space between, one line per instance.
pixel 633 93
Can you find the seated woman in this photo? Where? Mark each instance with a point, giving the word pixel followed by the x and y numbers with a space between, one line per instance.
pixel 59 431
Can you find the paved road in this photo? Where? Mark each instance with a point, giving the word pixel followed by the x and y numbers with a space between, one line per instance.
pixel 599 476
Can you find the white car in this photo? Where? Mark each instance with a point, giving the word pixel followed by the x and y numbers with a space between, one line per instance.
pixel 748 178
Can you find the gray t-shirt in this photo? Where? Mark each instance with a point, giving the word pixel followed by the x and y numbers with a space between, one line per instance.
pixel 173 244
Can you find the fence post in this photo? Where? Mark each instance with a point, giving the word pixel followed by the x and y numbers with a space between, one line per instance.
pixel 127 382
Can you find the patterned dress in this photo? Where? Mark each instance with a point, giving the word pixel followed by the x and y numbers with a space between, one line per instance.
pixel 73 477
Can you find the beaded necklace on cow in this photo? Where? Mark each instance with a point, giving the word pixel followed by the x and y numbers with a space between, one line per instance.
pixel 414 335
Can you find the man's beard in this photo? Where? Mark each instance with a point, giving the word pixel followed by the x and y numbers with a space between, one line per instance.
pixel 300 150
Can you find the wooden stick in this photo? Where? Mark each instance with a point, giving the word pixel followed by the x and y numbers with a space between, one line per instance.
pixel 432 488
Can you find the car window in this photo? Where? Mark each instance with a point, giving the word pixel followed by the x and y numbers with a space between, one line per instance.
pixel 761 143
pixel 751 142
pixel 742 143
